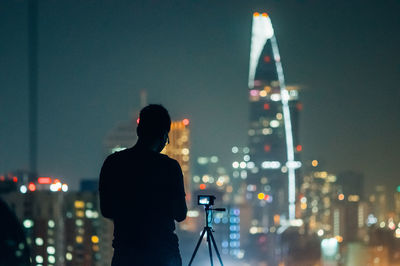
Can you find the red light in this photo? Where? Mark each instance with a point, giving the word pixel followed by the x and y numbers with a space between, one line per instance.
pixel 15 179
pixel 267 59
pixel 262 239
pixel 256 14
pixel 266 197
pixel 185 121
pixel 31 187
pixel 299 106
pixel 202 186
pixel 264 14
pixel 266 106
pixel 267 148
pixel 56 181
pixel 137 121
pixel 299 148
pixel 2 178
pixel 44 180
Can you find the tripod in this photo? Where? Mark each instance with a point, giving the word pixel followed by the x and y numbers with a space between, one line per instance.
pixel 210 238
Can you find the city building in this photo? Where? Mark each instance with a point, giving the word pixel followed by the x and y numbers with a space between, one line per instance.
pixel 121 137
pixel 179 149
pixel 61 227
pixel 273 139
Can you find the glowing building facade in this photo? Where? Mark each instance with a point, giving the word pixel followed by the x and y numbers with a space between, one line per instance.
pixel 273 144
pixel 179 149
pixel 61 228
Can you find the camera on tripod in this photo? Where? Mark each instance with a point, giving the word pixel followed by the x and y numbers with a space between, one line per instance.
pixel 206 200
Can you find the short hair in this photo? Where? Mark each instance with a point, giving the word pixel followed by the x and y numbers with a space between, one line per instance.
pixel 154 121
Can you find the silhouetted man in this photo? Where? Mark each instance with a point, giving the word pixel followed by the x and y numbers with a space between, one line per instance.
pixel 142 191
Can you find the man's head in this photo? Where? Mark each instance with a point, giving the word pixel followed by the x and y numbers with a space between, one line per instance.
pixel 154 125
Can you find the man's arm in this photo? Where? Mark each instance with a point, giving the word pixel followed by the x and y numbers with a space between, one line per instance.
pixel 105 189
pixel 179 207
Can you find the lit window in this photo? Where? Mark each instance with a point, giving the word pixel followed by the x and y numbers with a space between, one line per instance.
pixel 274 123
pixel 23 189
pixel 95 239
pixel 51 223
pixel 214 159
pixel 51 250
pixel 39 241
pixel 196 179
pixel 276 97
pixel 28 223
pixel 68 256
pixel 79 204
pixel 79 222
pixel 79 239
pixel 51 259
pixel 39 259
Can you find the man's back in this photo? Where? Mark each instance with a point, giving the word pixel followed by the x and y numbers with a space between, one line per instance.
pixel 142 191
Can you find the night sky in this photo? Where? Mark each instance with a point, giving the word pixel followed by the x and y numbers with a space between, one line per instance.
pixel 192 56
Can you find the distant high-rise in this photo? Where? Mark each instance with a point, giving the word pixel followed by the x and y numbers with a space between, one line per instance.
pixel 273 143
pixel 179 149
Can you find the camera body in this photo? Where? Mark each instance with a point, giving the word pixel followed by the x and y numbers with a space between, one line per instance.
pixel 206 200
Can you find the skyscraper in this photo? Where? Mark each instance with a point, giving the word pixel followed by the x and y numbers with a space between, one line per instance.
pixel 273 144
pixel 179 149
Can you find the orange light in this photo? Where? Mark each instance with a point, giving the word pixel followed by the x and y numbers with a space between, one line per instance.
pixel 44 180
pixel 341 197
pixel 185 121
pixel 202 186
pixel 314 163
pixel 299 106
pixel 95 239
pixel 56 181
pixel 339 239
pixel 15 179
pixel 299 148
pixel 264 14
pixel 277 219
pixel 267 59
pixel 256 14
pixel 31 187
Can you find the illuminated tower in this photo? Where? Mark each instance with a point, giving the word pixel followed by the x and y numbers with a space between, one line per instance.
pixel 179 149
pixel 273 143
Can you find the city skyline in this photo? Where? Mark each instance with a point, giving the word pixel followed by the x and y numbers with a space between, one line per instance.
pixel 81 101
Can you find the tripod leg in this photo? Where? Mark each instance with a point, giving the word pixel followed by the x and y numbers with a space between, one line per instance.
pixel 209 245
pixel 216 249
pixel 197 246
